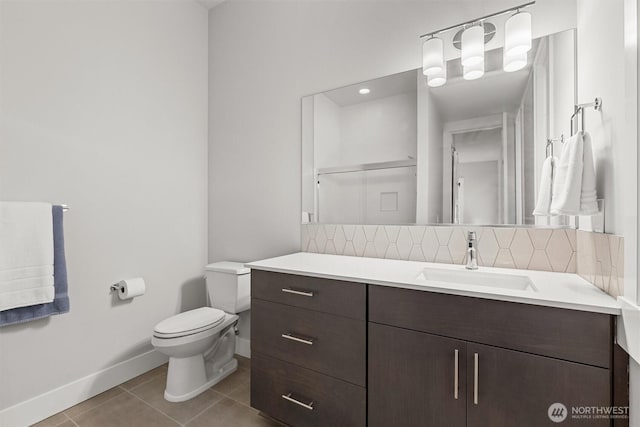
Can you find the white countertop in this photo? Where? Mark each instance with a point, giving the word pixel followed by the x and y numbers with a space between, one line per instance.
pixel 562 290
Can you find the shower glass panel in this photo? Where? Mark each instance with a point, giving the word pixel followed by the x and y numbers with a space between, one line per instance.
pixel 382 196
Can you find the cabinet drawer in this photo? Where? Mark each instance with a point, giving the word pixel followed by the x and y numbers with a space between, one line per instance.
pixel 329 344
pixel 329 296
pixel 573 335
pixel 327 401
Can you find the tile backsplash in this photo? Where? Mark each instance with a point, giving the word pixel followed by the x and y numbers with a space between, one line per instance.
pixel 506 247
pixel 596 257
pixel 601 261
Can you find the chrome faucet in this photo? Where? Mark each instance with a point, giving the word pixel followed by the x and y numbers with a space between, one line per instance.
pixel 472 254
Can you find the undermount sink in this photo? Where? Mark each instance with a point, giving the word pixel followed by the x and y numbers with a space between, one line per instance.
pixel 478 278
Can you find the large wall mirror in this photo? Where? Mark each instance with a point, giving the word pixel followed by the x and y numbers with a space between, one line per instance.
pixel 395 151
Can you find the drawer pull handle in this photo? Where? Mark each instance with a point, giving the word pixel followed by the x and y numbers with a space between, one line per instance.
pixel 455 374
pixel 297 339
pixel 475 378
pixel 288 397
pixel 296 292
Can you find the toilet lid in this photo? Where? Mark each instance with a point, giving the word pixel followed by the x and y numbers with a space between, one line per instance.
pixel 189 322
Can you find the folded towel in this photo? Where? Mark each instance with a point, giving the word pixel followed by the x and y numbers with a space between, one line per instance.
pixel 60 303
pixel 543 204
pixel 588 197
pixel 26 254
pixel 567 185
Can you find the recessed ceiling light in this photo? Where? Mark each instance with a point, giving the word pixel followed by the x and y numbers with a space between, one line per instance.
pixel 364 91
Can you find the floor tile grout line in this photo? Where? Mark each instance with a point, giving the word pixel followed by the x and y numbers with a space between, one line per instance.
pixel 92 408
pixel 68 419
pixel 131 393
pixel 154 408
pixel 207 408
pixel 142 383
pixel 119 386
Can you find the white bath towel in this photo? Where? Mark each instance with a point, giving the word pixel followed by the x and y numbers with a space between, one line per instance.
pixel 567 185
pixel 26 254
pixel 543 205
pixel 588 197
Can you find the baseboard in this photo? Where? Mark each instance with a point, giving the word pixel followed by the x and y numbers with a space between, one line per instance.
pixel 243 347
pixel 50 403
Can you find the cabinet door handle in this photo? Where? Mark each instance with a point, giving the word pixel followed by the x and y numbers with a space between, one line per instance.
pixel 297 339
pixel 475 378
pixel 297 292
pixel 455 374
pixel 288 397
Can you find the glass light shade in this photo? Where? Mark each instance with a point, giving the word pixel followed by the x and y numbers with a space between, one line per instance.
pixel 515 62
pixel 472 72
pixel 517 34
pixel 437 79
pixel 472 46
pixel 432 56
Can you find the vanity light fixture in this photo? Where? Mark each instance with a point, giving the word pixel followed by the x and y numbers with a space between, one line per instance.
pixel 364 91
pixel 471 40
pixel 433 56
pixel 473 46
pixel 437 79
pixel 517 34
pixel 514 62
pixel 472 72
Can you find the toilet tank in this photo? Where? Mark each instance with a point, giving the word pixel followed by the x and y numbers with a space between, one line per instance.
pixel 229 286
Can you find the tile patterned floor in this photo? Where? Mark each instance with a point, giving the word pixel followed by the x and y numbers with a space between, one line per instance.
pixel 140 403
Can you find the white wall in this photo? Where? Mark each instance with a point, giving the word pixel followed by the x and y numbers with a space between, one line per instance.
pixel 600 56
pixel 264 57
pixel 430 143
pixel 380 130
pixel 327 118
pixel 103 106
pixel 602 65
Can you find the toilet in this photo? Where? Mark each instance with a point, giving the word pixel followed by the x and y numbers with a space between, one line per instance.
pixel 201 343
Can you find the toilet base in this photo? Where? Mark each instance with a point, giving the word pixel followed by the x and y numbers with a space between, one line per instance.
pixel 227 369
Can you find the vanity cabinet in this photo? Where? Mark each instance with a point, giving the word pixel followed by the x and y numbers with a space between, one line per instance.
pixel 419 379
pixel 308 348
pixel 337 353
pixel 414 374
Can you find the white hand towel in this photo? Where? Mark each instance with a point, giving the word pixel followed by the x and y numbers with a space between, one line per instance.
pixel 588 197
pixel 543 204
pixel 567 185
pixel 26 254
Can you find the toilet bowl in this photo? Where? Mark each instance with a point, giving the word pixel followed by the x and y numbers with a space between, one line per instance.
pixel 200 343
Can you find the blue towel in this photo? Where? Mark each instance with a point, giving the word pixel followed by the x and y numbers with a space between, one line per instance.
pixel 60 303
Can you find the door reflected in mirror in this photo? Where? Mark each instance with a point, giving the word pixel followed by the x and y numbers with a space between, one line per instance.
pixel 395 151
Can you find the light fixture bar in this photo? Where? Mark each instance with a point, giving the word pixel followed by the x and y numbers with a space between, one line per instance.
pixel 473 21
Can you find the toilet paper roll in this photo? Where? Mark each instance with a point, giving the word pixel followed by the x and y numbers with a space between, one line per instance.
pixel 130 288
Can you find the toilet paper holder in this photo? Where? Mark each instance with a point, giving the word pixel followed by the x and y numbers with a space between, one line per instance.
pixel 117 287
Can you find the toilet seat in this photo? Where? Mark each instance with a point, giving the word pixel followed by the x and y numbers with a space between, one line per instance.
pixel 189 323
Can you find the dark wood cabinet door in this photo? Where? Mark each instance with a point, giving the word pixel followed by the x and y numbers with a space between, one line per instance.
pixel 508 388
pixel 412 379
